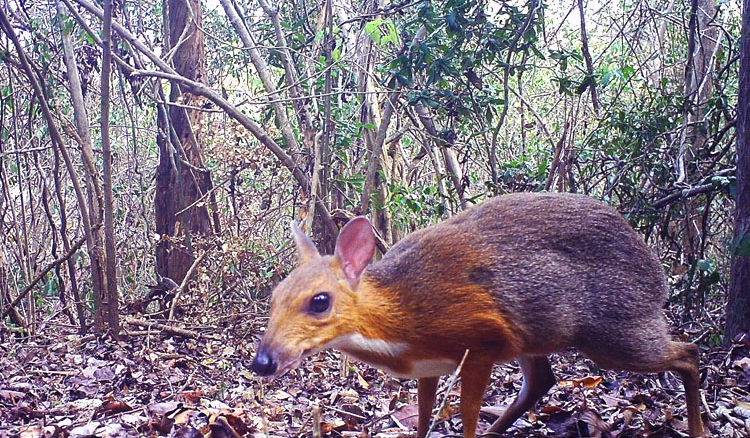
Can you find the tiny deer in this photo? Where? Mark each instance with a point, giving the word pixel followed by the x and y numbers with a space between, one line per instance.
pixel 517 277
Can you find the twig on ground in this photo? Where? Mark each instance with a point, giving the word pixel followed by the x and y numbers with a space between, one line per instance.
pixel 163 327
pixel 316 421
pixel 448 389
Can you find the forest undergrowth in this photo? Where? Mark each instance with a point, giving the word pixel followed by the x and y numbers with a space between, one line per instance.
pixel 228 120
pixel 191 378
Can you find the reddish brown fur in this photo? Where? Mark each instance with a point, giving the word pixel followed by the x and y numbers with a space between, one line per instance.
pixel 521 275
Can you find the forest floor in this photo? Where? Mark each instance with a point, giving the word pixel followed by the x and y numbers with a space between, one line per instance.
pixel 198 384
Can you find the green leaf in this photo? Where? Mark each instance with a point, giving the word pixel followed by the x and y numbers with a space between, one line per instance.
pixel 372 29
pixel 89 39
pixel 537 52
pixel 627 72
pixel 355 180
pixel 706 265
pixel 50 288
pixel 454 21
pixel 69 25
pixel 587 81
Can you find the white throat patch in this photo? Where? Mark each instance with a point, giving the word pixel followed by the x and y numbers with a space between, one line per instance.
pixel 357 342
pixel 418 368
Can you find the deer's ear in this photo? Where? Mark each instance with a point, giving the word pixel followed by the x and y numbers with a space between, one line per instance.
pixel 355 247
pixel 306 249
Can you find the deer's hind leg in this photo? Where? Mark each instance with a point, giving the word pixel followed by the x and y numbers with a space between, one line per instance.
pixel 683 359
pixel 537 380
pixel 649 350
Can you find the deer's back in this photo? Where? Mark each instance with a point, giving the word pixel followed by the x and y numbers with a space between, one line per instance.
pixel 563 269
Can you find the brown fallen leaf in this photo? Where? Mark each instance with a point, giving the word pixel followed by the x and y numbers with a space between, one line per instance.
pixel 220 426
pixel 11 396
pixel 111 407
pixel 627 414
pixel 191 396
pixel 352 415
pixel 408 415
pixel 595 421
pixel 362 382
pixel 337 424
pixel 551 409
pixel 592 381
pixel 183 417
pixel 31 431
pixel 163 408
pixel 161 424
pixel 532 417
pixel 239 424
pixel 586 382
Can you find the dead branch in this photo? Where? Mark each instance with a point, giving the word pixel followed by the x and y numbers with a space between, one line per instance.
pixel 164 328
pixel 447 392
pixel 678 194
pixel 184 283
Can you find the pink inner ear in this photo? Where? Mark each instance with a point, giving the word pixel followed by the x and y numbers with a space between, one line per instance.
pixel 355 247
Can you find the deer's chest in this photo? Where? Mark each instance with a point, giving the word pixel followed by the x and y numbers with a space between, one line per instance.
pixel 396 358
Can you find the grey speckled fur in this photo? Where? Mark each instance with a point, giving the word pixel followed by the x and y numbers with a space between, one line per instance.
pixel 565 270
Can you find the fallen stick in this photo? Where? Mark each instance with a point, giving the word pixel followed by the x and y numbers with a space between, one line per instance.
pixel 163 327
pixel 448 389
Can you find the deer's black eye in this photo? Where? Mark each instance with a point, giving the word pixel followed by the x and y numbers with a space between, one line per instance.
pixel 320 302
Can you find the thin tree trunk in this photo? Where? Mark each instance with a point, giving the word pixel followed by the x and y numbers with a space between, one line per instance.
pixel 291 75
pixel 5 296
pixel 54 240
pixel 587 58
pixel 95 195
pixel 370 113
pixel 449 159
pixel 375 143
pixel 19 226
pixel 553 169
pixel 319 189
pixel 738 305
pixel 110 252
pixel 376 151
pixel 82 329
pixel 698 90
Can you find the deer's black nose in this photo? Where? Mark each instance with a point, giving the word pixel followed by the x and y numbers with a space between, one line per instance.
pixel 263 364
